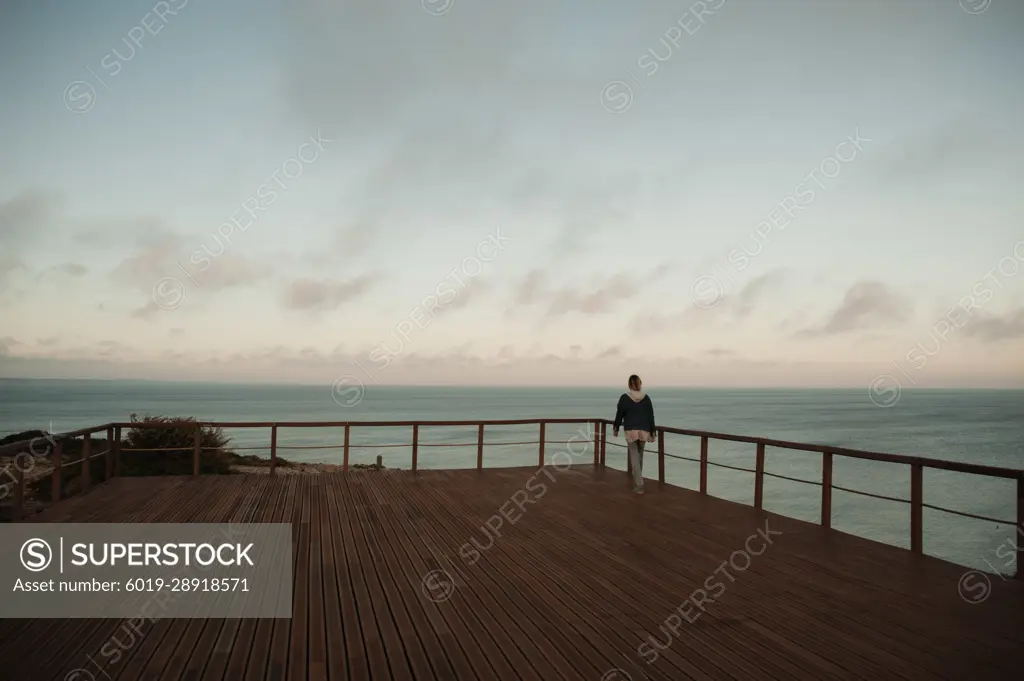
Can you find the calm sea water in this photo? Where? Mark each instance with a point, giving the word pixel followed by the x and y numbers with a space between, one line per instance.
pixel 979 426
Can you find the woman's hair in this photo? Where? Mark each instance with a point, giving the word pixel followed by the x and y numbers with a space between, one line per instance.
pixel 634 382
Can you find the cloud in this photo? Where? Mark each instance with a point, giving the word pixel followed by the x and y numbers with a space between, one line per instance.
pixel 965 146
pixel 741 304
pixel 6 343
pixel 73 269
pixel 866 304
pixel 601 297
pixel 24 220
pixel 156 254
pixel 993 328
pixel 162 253
pixel 728 307
pixel 472 291
pixel 597 301
pixel 529 290
pixel 324 294
pixel 23 217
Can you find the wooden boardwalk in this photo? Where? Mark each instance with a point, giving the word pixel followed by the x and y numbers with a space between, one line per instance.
pixel 585 574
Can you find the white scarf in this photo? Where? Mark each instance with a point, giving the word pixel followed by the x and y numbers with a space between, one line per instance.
pixel 636 395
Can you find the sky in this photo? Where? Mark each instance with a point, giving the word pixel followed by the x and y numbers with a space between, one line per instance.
pixel 723 193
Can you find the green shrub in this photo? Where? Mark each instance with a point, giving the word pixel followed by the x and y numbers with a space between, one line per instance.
pixel 176 434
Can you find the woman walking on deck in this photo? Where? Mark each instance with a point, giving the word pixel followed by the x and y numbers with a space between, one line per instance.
pixel 636 413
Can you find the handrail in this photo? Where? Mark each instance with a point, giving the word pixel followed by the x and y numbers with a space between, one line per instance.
pixel 341 424
pixel 56 437
pixel 977 469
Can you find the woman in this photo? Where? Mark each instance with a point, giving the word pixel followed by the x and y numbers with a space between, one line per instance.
pixel 636 411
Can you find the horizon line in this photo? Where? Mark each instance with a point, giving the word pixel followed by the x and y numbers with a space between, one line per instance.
pixel 499 385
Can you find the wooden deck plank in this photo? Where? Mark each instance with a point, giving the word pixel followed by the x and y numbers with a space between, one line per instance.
pixel 710 556
pixel 375 658
pixel 276 649
pixel 230 639
pixel 84 640
pixel 798 585
pixel 346 654
pixel 201 653
pixel 397 591
pixel 445 642
pixel 109 644
pixel 654 597
pixel 567 591
pixel 393 662
pixel 161 645
pixel 518 578
pixel 43 632
pixel 516 550
pixel 617 585
pixel 318 548
pixel 190 645
pixel 295 646
pixel 508 644
pixel 251 642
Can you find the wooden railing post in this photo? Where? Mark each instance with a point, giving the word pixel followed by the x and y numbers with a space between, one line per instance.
pixel 18 511
pixel 597 445
pixel 1020 527
pixel 195 452
pixel 109 458
pixel 759 477
pixel 58 457
pixel 661 457
pixel 117 451
pixel 916 499
pixel 604 442
pixel 704 464
pixel 480 448
pixel 344 467
pixel 826 490
pixel 86 453
pixel 415 445
pixel 540 455
pixel 273 448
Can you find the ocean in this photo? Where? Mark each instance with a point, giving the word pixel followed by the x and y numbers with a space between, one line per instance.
pixel 977 426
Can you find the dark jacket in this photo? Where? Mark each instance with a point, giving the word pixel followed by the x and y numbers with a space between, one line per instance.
pixel 635 415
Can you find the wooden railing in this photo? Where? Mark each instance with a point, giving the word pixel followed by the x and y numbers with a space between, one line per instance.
pixel 917 465
pixel 112 457
pixel 59 465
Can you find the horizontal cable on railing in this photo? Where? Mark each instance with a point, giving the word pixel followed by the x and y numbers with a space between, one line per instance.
pixel 311 447
pixel 616 444
pixel 786 477
pixel 735 468
pixel 869 494
pixel 968 515
pixel 401 444
pixel 65 464
pixel 446 444
pixel 682 458
pixel 524 442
